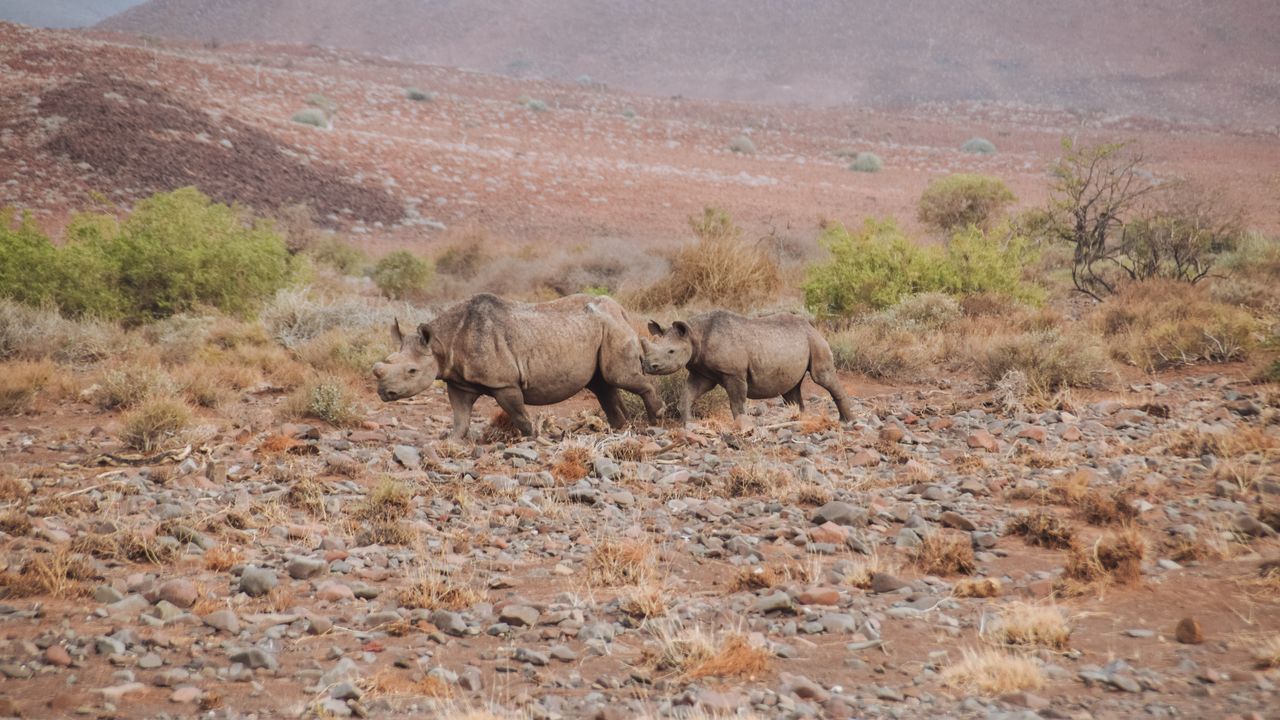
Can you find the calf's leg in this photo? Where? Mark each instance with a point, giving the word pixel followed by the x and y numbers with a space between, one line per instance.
pixel 460 401
pixel 511 400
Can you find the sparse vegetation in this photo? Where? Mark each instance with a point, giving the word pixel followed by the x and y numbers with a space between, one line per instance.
pixel 978 146
pixel 866 162
pixel 742 145
pixel 944 554
pixel 1160 324
pixel 993 672
pixel 1042 528
pixel 314 117
pixel 1048 360
pixel 401 275
pixel 325 398
pixel 417 95
pixel 957 201
pixel 154 423
pixel 19 384
pixel 1029 625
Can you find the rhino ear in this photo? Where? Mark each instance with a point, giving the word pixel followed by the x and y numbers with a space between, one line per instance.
pixel 396 334
pixel 655 329
pixel 424 334
pixel 681 327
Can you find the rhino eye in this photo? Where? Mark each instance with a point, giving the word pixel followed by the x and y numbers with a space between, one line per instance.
pixel 671 352
pixel 413 370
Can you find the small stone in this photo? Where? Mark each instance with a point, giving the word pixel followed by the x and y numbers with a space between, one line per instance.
pixel 150 661
pixel 256 581
pixel 1189 632
pixel 407 456
pixel 449 622
pixel 345 691
pixel 818 596
pixel 775 601
pixel 955 520
pixel 1140 633
pixel 1126 683
pixel 1033 432
pixel 839 513
pixel 254 658
pixel 116 693
pixel 892 434
pixel 106 595
pixel 563 653
pixel 57 655
pixel 981 439
pixel 885 583
pixel 318 624
pixel 186 694
pixel 519 615
pixel 224 620
pixel 302 567
pixel 829 532
pixel 335 592
pixel 533 657
pixel 182 593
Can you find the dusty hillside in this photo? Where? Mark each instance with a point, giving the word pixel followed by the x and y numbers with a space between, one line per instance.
pixel 1190 59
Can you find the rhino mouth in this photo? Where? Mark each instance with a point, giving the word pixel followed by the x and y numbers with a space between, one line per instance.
pixel 388 395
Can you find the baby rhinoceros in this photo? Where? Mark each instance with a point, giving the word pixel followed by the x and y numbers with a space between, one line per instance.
pixel 756 358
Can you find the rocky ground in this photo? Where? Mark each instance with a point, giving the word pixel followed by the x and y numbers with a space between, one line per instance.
pixel 795 569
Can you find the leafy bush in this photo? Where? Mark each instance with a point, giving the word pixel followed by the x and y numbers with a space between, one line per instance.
pixel 401 274
pixel 175 252
pixel 742 145
pixel 957 201
pixel 534 104
pixel 866 162
pixel 312 116
pixel 339 255
pixel 1160 324
pixel 978 146
pixel 417 95
pixel 719 268
pixel 878 266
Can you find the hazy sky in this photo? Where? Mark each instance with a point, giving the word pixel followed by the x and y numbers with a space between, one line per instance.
pixel 61 13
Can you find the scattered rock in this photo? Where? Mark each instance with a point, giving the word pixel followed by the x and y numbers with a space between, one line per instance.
pixel 1189 632
pixel 256 581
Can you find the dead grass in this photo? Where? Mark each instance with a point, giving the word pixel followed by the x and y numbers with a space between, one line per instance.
pixel 626 562
pixel 1042 529
pixel 720 268
pixel 155 423
pixel 500 429
pixel 1097 507
pixel 12 489
pixel 860 569
pixel 1049 360
pixel 646 600
pixel 436 590
pixel 759 477
pixel 129 385
pixel 993 672
pixel 978 588
pixel 16 523
pixel 60 574
pixel 1161 324
pixel 126 545
pixel 627 450
pixel 944 554
pixel 1267 652
pixel 221 558
pixel 326 398
pixel 20 382
pixel 572 464
pixel 691 653
pixel 1115 558
pixel 1028 625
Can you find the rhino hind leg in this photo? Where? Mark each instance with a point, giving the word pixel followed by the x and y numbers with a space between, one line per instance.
pixel 511 400
pixel 794 396
pixel 826 377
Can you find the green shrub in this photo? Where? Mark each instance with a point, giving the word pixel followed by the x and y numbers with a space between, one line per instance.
pixel 417 95
pixel 339 255
pixel 324 104
pixel 401 274
pixel 312 116
pixel 878 266
pixel 957 201
pixel 742 145
pixel 866 162
pixel 177 251
pixel 534 104
pixel 979 146
pixel 325 399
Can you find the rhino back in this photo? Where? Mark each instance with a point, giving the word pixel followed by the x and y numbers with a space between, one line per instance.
pixel 772 351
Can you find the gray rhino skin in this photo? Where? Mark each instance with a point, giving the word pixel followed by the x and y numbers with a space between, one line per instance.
pixel 521 354
pixel 754 358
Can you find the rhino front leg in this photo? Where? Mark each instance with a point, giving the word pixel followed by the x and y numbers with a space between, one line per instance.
pixel 652 404
pixel 736 387
pixel 695 386
pixel 511 400
pixel 829 380
pixel 461 401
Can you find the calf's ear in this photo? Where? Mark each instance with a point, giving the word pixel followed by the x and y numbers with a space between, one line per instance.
pixel 424 334
pixel 655 329
pixel 681 327
pixel 395 332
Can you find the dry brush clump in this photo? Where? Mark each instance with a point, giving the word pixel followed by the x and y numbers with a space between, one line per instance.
pixel 326 398
pixel 1161 324
pixel 572 464
pixel 438 590
pixel 993 672
pixel 941 553
pixel 1043 529
pixel 379 517
pixel 1026 625
pixel 20 382
pixel 1114 558
pixel 719 268
pixel 625 562
pixel 1049 360
pixel 61 573
pixel 156 423
pixel 130 384
pixel 1266 654
pixel 978 588
pixel 691 652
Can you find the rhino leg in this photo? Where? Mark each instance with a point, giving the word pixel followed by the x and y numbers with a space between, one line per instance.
pixel 461 401
pixel 652 404
pixel 736 387
pixel 794 397
pixel 610 402
pixel 511 400
pixel 695 386
pixel 825 375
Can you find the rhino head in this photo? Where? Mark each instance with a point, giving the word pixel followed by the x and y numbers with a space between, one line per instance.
pixel 409 370
pixel 669 350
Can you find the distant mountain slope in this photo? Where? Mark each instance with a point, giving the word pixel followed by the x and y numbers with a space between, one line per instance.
pixel 61 13
pixel 1200 59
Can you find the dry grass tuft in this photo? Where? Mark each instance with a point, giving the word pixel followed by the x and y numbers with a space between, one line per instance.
pixel 1031 625
pixel 859 571
pixel 129 385
pixel 15 523
pixel 944 554
pixel 572 464
pixel 627 562
pixel 326 398
pixel 1161 324
pixel 1106 508
pixel 441 591
pixel 646 600
pixel 1267 653
pixel 817 423
pixel 155 423
pixel 691 653
pixel 60 574
pixel 993 672
pixel 12 489
pixel 276 444
pixel 1042 529
pixel 1115 557
pixel 759 478
pixel 221 558
pixel 19 384
pixel 627 450
pixel 978 588
pixel 500 429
